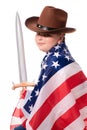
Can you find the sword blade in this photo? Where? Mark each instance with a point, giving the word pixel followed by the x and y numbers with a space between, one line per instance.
pixel 20 50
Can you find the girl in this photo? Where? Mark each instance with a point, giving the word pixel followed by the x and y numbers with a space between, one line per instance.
pixel 59 99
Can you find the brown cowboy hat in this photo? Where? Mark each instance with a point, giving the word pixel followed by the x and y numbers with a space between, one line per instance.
pixel 51 20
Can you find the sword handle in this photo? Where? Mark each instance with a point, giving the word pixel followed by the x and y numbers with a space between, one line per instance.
pixel 23 85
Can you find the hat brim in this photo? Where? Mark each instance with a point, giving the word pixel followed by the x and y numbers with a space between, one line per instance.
pixel 32 22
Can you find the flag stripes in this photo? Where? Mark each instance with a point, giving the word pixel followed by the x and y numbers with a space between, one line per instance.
pixel 53 102
pixel 18 118
pixel 52 85
pixel 72 111
pixel 64 105
pixel 62 122
pixel 78 124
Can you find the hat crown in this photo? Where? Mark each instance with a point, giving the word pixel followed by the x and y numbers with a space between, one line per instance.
pixel 51 20
pixel 53 17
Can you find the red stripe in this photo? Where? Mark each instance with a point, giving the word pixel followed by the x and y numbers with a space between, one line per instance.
pixel 18 113
pixel 71 115
pixel 56 97
pixel 24 123
pixel 82 101
pixel 85 124
pixel 23 94
pixel 66 118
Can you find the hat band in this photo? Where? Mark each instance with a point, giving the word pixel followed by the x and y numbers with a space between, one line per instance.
pixel 45 28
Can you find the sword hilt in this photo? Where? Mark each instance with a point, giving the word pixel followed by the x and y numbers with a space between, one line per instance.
pixel 23 85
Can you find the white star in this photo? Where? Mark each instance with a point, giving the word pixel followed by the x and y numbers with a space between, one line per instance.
pixel 65 50
pixel 57 47
pixel 37 82
pixel 30 97
pixel 37 93
pixel 67 57
pixel 43 77
pixel 48 54
pixel 55 64
pixel 30 108
pixel 56 54
pixel 44 66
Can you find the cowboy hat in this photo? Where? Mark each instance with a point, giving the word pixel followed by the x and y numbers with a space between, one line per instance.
pixel 51 20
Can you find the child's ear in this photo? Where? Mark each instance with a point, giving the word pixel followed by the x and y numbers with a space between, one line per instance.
pixel 61 38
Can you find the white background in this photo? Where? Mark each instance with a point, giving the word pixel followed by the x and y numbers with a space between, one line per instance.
pixel 77 43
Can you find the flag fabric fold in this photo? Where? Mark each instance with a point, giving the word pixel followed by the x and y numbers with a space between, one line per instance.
pixel 59 100
pixel 18 118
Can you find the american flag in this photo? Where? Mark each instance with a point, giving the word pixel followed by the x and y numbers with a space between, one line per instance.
pixel 59 100
pixel 18 118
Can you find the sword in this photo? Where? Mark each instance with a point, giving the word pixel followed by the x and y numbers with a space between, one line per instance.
pixel 21 56
pixel 20 50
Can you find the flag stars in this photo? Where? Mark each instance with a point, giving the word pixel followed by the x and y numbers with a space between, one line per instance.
pixel 56 54
pixel 67 57
pixel 30 98
pixel 38 81
pixel 48 54
pixel 57 47
pixel 36 92
pixel 55 64
pixel 44 66
pixel 44 77
pixel 30 108
pixel 65 50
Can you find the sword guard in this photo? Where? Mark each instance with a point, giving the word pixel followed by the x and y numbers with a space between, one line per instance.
pixel 23 85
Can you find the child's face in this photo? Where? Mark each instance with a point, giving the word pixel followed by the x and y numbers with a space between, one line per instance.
pixel 46 41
